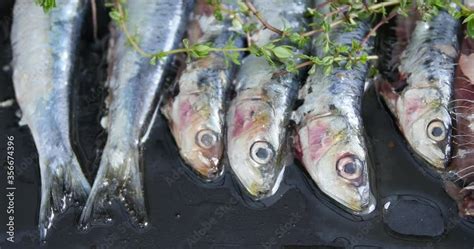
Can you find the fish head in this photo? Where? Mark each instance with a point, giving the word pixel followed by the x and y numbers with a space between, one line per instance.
pixel 334 154
pixel 198 131
pixel 426 125
pixel 253 147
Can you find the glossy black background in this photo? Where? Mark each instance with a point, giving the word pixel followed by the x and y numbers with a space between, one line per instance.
pixel 184 213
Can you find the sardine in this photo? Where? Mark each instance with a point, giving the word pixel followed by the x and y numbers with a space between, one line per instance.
pixel 196 112
pixel 330 134
pixel 419 91
pixel 133 93
pixel 258 116
pixel 44 47
pixel 459 179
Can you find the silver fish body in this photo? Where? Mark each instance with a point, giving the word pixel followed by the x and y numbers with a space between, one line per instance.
pixel 44 47
pixel 196 112
pixel 330 132
pixel 419 96
pixel 133 88
pixel 257 145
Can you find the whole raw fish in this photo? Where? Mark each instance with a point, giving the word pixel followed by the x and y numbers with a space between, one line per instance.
pixel 330 133
pixel 196 112
pixel 133 88
pixel 459 180
pixel 44 47
pixel 259 114
pixel 418 88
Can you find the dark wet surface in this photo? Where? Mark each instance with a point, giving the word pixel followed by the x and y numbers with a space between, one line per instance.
pixel 414 216
pixel 184 213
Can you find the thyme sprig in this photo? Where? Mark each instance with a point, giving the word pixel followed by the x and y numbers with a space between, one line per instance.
pixel 197 50
pixel 47 5
pixel 284 50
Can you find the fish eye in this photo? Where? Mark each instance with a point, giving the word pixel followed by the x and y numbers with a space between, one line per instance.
pixel 261 152
pixel 436 130
pixel 349 167
pixel 206 138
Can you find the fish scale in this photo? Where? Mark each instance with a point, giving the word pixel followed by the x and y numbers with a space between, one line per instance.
pixel 330 133
pixel 419 96
pixel 258 116
pixel 134 86
pixel 196 113
pixel 44 47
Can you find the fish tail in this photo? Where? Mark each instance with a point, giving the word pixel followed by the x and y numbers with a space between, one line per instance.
pixel 119 178
pixel 62 185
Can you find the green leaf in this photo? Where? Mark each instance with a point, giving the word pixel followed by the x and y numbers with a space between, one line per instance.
pixel 253 49
pixel 186 43
pixel 363 58
pixel 328 70
pixel 328 60
pixel 249 27
pixel 47 5
pixel 326 48
pixel 469 18
pixel 242 7
pixel 342 49
pixel 312 70
pixel 115 15
pixel 153 60
pixel 470 28
pixel 236 24
pixel 218 15
pixel 200 50
pixel 283 52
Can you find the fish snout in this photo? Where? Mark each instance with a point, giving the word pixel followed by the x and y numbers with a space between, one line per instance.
pixel 366 203
pixel 260 190
pixel 209 164
pixel 205 155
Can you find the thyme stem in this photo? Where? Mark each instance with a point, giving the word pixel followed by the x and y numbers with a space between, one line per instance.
pixel 261 19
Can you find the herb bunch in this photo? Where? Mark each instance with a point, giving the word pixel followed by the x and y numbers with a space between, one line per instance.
pixel 284 50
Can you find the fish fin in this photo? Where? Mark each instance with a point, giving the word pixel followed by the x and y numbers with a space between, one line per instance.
pixel 389 96
pixel 119 178
pixel 62 185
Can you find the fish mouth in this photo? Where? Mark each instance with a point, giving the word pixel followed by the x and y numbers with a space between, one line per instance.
pixel 368 205
pixel 363 205
pixel 209 172
pixel 207 168
pixel 439 164
pixel 437 160
pixel 264 189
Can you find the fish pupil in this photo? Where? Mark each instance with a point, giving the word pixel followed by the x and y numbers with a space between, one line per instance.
pixel 262 153
pixel 207 139
pixel 350 168
pixel 437 131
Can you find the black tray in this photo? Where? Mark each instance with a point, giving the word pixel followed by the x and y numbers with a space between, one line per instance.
pixel 184 213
